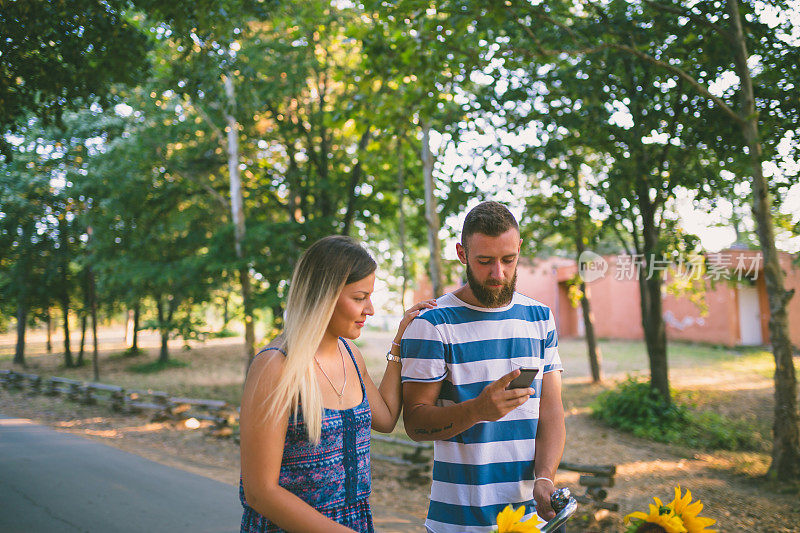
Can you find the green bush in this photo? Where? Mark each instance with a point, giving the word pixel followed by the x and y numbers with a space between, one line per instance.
pixel 634 406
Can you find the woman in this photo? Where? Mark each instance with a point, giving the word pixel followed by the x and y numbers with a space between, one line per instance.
pixel 308 402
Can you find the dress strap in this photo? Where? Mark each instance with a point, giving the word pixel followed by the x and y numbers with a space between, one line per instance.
pixel 353 357
pixel 268 348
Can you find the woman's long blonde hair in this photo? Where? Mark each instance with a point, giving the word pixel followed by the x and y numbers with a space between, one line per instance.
pixel 318 278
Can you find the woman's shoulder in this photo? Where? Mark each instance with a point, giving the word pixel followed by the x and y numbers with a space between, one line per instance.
pixel 351 345
pixel 270 359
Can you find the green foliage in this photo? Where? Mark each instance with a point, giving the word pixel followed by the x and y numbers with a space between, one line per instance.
pixel 157 366
pixel 55 54
pixel 635 407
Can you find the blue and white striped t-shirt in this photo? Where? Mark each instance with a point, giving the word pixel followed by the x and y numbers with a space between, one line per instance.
pixel 490 465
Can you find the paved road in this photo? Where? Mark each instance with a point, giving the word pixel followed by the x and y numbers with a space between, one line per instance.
pixel 56 482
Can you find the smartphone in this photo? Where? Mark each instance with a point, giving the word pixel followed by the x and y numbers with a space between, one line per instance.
pixel 525 378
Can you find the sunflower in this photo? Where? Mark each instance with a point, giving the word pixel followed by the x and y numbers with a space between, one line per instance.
pixel 660 515
pixel 688 511
pixel 508 521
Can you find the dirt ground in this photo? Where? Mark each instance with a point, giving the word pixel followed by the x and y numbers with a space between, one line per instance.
pixel 730 484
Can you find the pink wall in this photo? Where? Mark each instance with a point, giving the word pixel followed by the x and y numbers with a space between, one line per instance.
pixel 615 304
pixel 719 326
pixel 615 301
pixel 538 279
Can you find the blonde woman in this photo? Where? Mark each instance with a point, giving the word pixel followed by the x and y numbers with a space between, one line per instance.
pixel 308 402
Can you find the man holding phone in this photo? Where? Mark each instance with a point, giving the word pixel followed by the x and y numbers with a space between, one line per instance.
pixel 482 379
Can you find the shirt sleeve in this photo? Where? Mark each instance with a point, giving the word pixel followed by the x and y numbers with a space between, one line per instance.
pixel 423 353
pixel 552 361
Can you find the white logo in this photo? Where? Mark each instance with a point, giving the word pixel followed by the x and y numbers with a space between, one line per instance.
pixel 591 266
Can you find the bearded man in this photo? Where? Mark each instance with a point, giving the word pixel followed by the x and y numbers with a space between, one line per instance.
pixel 493 445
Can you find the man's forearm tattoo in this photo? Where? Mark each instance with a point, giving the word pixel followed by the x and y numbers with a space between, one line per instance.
pixel 423 431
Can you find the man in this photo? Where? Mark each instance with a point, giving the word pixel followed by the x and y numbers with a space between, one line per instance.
pixel 493 446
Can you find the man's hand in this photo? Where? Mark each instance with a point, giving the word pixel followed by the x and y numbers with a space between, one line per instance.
pixel 495 401
pixel 542 489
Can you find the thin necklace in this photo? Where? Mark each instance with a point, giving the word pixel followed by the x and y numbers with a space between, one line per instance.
pixel 340 394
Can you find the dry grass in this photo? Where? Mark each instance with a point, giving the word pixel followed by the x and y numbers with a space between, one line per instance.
pixel 214 369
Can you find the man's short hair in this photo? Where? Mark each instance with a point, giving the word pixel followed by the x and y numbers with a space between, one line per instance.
pixel 489 218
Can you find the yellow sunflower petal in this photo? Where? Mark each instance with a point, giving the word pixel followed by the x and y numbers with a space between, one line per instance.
pixel 528 526
pixel 508 519
pixel 504 519
pixel 637 515
pixel 699 524
pixel 680 502
pixel 693 509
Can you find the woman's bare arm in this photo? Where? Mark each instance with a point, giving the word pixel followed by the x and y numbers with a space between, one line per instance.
pixel 262 439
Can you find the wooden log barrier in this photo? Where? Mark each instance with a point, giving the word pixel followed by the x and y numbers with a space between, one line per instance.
pixel 34 383
pixel 11 379
pixel 417 458
pixel 596 479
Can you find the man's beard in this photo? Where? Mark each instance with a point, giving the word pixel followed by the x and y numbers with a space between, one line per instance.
pixel 492 296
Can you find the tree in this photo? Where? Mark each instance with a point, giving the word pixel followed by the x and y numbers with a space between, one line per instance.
pixel 154 234
pixel 642 119
pixel 563 199
pixel 697 44
pixel 711 42
pixel 57 54
pixel 25 235
pixel 423 52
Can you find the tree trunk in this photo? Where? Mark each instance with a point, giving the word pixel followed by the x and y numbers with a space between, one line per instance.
pixel 135 333
pixel 225 303
pixel 237 215
pixel 655 333
pixel 22 322
pixel 786 428
pixel 63 237
pixel 48 320
pixel 401 195
pixel 355 178
pixel 163 355
pixel 79 362
pixel 249 327
pixel 595 357
pixel 68 362
pixel 128 324
pixel 93 311
pixel 431 214
pixel 277 317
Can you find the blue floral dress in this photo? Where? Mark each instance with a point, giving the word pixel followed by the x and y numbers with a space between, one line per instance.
pixel 333 477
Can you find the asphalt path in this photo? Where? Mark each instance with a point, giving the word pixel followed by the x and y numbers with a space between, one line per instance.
pixel 57 482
